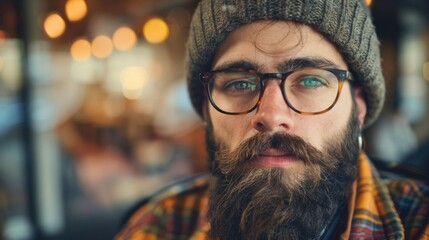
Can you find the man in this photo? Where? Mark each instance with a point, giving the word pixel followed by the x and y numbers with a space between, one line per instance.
pixel 285 88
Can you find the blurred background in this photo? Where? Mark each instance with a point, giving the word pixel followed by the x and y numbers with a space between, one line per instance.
pixel 94 113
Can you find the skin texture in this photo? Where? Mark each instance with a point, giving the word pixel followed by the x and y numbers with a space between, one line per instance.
pixel 267 45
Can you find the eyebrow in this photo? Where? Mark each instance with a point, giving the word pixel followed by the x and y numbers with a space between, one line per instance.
pixel 304 62
pixel 286 66
pixel 246 64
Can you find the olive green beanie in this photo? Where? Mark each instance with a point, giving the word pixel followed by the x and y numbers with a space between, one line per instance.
pixel 346 23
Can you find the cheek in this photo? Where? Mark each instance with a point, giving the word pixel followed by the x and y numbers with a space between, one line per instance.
pixel 320 128
pixel 339 116
pixel 229 129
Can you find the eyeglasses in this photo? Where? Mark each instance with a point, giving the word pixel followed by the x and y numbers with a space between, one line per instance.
pixel 308 91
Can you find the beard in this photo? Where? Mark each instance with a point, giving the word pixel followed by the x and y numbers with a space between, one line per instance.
pixel 248 202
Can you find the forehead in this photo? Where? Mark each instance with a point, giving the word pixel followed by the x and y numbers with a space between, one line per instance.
pixel 269 44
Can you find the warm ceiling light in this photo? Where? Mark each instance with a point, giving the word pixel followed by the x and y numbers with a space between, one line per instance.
pixel 426 71
pixel 124 38
pixel 80 50
pixel 102 46
pixel 155 30
pixel 368 2
pixel 76 9
pixel 133 80
pixel 54 25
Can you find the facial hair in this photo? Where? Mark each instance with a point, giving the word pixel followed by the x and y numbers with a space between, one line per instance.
pixel 248 202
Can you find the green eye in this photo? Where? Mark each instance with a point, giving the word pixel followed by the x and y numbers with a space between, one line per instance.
pixel 312 82
pixel 240 86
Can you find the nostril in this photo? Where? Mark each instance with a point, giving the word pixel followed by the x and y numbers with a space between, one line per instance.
pixel 260 127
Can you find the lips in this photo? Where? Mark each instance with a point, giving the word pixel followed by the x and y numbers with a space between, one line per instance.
pixel 272 157
pixel 272 152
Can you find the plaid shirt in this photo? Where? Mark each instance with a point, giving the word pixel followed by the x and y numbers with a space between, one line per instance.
pixel 378 209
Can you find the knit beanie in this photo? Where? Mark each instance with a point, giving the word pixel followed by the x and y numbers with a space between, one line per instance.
pixel 345 23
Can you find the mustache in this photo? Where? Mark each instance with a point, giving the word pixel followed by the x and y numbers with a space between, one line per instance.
pixel 252 147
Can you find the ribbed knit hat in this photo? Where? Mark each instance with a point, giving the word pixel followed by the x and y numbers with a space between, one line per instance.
pixel 345 23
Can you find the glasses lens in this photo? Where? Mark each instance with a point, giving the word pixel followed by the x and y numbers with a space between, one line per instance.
pixel 311 90
pixel 234 92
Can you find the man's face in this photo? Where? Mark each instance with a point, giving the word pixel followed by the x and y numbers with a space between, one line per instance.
pixel 268 47
pixel 280 173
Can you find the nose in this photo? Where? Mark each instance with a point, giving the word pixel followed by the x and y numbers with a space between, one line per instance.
pixel 273 114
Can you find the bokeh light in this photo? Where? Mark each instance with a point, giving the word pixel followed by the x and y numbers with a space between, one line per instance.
pixel 80 50
pixel 155 30
pixel 54 25
pixel 76 9
pixel 368 2
pixel 102 46
pixel 426 71
pixel 133 80
pixel 124 38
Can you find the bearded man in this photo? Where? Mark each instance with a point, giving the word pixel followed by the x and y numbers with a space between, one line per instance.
pixel 285 88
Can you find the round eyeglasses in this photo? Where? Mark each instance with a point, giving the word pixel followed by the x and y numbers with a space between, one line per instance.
pixel 307 91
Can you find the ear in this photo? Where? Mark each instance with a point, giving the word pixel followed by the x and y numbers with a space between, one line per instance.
pixel 361 104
